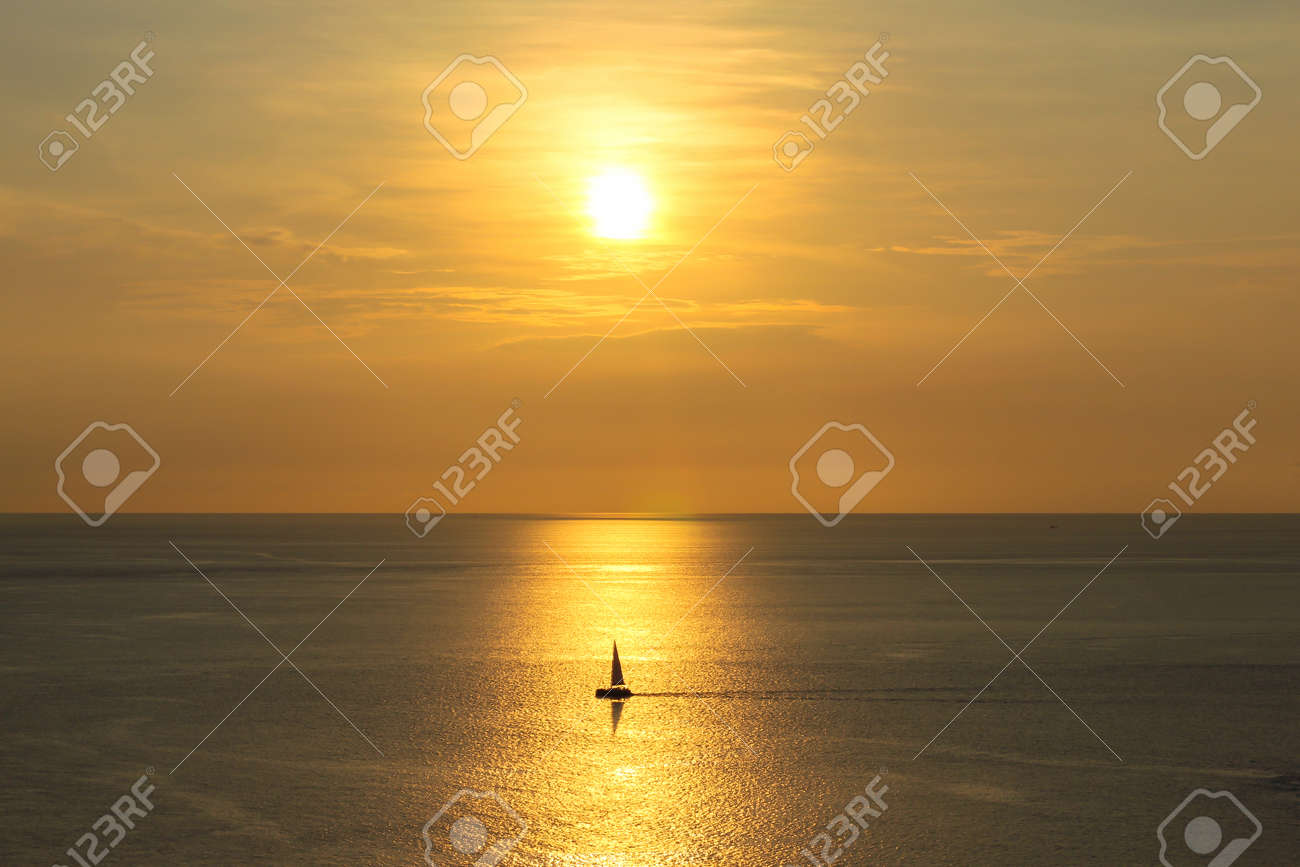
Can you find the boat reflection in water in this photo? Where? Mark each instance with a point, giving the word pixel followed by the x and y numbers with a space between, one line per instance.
pixel 615 714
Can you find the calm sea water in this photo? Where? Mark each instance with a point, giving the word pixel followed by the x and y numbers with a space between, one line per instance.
pixel 768 699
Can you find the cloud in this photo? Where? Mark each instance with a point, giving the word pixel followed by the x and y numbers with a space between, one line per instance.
pixel 1021 249
pixel 575 313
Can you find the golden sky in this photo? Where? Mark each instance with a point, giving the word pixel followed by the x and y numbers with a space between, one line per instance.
pixel 828 293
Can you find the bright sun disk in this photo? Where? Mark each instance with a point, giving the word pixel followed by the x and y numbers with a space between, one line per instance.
pixel 619 203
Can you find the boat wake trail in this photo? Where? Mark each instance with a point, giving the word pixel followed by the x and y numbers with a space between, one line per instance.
pixel 902 694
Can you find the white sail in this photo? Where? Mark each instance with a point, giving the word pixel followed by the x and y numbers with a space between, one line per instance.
pixel 616 672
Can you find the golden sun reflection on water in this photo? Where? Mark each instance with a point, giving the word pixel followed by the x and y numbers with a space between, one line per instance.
pixel 703 764
pixel 633 578
pixel 612 780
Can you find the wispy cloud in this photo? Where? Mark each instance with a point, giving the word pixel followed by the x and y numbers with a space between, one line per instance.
pixel 1023 247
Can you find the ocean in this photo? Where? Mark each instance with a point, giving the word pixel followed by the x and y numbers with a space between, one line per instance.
pixel 803 694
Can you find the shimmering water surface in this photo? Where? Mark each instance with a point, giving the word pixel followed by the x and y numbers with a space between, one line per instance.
pixel 766 700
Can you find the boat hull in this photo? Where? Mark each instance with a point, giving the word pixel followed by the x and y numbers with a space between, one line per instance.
pixel 614 692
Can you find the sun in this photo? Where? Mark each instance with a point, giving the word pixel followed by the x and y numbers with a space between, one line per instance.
pixel 619 203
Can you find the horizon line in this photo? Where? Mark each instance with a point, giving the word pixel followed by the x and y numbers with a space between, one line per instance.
pixel 642 515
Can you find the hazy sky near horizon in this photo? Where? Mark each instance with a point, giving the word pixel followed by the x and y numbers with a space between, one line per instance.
pixel 830 291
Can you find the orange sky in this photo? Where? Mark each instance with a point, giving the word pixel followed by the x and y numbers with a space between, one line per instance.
pixel 829 292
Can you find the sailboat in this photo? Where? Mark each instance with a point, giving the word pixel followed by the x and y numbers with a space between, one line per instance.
pixel 617 688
